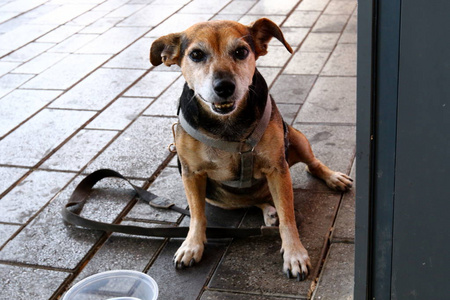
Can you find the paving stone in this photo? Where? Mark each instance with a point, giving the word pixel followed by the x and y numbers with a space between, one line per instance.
pixel 283 90
pixel 41 9
pixel 135 56
pixel 248 19
pixel 241 268
pixel 28 144
pixel 39 243
pixel 167 103
pixel 139 150
pixel 342 61
pixel 10 175
pixel 121 252
pixel 269 74
pixel 333 145
pixel 294 35
pixel 188 283
pixel 301 18
pixel 40 63
pixel 6 66
pixel 110 5
pixel 60 34
pixel 98 89
pixel 88 18
pixel 64 13
pixel 38 188
pixel 21 5
pixel 340 7
pixel 168 185
pixel 176 23
pixel 120 113
pixel 159 2
pixel 125 11
pixel 5 15
pixel 151 15
pixel 28 52
pixel 349 36
pixel 276 57
pixel 22 35
pixel 204 6
pixel 332 99
pixel 29 283
pixel 6 232
pixel 320 42
pixel 306 63
pixel 344 227
pixel 271 7
pixel 79 150
pixel 114 40
pixel 67 71
pixel 101 26
pixel 336 281
pixel 19 105
pixel 330 23
pixel 152 84
pixel 288 111
pixel 73 43
pixel 9 82
pixel 238 7
pixel 317 5
pixel 219 295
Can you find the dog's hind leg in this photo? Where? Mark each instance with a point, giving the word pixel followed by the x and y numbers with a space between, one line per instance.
pixel 269 213
pixel 300 151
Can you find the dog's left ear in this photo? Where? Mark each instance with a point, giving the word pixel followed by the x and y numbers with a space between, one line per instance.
pixel 262 31
pixel 166 50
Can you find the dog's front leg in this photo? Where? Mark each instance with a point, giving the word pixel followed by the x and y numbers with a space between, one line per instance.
pixel 295 256
pixel 191 250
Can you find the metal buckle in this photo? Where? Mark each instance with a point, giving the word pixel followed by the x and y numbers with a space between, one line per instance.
pixel 173 146
pixel 244 143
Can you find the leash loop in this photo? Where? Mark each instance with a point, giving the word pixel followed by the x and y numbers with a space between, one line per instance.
pixel 72 210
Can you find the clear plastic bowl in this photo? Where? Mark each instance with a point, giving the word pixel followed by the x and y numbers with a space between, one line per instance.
pixel 114 285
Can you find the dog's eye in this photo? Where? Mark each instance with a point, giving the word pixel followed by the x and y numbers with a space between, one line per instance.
pixel 197 55
pixel 241 53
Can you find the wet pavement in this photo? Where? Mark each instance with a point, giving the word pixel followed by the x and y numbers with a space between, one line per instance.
pixel 77 93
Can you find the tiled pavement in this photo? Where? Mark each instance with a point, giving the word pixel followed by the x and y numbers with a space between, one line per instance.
pixel 78 93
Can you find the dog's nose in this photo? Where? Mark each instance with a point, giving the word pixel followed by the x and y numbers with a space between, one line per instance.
pixel 224 88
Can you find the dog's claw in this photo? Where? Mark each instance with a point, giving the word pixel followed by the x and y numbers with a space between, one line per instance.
pixel 288 274
pixel 192 262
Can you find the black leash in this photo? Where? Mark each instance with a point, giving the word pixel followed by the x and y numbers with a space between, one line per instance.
pixel 71 213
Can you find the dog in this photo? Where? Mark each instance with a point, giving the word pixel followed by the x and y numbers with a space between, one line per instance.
pixel 226 156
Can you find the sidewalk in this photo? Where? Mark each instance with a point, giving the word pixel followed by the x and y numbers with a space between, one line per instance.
pixel 77 93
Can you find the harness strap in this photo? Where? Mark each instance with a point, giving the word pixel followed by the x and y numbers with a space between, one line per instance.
pixel 245 148
pixel 72 210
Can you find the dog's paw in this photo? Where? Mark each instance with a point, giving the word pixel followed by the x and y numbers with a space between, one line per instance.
pixel 188 254
pixel 296 263
pixel 339 181
pixel 270 216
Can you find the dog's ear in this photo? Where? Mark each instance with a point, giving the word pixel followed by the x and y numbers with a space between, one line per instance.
pixel 262 31
pixel 166 50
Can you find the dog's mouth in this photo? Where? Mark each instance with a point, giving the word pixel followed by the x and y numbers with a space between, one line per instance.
pixel 223 107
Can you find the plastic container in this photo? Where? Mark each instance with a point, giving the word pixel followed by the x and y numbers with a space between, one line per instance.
pixel 114 285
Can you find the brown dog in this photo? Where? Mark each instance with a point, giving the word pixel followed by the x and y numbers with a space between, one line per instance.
pixel 233 146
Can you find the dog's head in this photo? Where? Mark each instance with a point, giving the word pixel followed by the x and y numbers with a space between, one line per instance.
pixel 217 59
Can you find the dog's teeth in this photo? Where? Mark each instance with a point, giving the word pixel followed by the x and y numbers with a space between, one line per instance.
pixel 224 105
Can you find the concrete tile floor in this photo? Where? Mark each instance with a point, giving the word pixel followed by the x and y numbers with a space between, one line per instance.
pixel 78 93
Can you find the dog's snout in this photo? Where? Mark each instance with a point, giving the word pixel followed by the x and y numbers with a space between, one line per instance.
pixel 224 88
